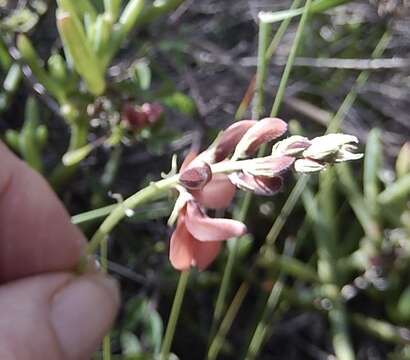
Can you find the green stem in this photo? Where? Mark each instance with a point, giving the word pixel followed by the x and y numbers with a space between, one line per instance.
pixel 281 31
pixel 286 210
pixel 291 59
pixel 226 323
pixel 162 7
pixel 264 31
pixel 173 317
pixel 262 328
pixel 348 101
pixel 78 138
pixel 151 192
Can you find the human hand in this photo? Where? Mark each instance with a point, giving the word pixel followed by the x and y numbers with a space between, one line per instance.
pixel 47 312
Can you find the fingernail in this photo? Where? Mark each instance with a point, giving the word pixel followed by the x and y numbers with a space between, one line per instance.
pixel 82 312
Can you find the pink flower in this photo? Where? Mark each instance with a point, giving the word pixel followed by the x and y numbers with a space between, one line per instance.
pixel 197 238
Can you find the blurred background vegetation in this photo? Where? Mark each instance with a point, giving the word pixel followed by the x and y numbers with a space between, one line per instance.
pixel 97 96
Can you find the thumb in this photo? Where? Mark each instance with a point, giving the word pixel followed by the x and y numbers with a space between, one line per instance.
pixel 56 316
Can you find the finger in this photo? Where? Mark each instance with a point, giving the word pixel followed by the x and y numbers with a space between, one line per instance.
pixel 56 316
pixel 35 231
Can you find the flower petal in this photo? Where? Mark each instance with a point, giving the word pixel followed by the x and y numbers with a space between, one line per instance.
pixel 346 153
pixel 230 138
pixel 217 194
pixel 260 185
pixel 263 131
pixel 293 145
pixel 181 250
pixel 205 253
pixel 205 228
pixel 308 166
pixel 196 177
pixel 269 165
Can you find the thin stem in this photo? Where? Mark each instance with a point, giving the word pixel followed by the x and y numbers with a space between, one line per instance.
pixel 281 32
pixel 291 59
pixel 78 138
pixel 173 317
pixel 264 31
pixel 262 328
pixel 348 101
pixel 286 210
pixel 151 192
pixel 269 53
pixel 259 336
pixel 227 321
pixel 221 298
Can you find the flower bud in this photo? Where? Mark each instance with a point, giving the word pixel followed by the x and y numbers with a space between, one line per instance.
pixel 230 138
pixel 293 145
pixel 260 185
pixel 133 117
pixel 332 147
pixel 153 111
pixel 308 166
pixel 262 132
pixel 196 177
pixel 269 165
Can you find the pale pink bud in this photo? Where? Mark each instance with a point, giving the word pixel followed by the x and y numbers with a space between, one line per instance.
pixel 269 165
pixel 293 145
pixel 230 138
pixel 308 166
pixel 262 132
pixel 196 177
pixel 260 185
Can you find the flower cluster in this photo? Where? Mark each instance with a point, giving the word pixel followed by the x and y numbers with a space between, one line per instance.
pixel 209 180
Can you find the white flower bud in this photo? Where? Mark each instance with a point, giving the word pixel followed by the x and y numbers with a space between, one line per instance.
pixel 332 147
pixel 293 145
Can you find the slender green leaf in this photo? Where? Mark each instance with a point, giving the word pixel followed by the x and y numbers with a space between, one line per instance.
pixel 76 44
pixel 372 162
pixel 400 190
pixel 31 58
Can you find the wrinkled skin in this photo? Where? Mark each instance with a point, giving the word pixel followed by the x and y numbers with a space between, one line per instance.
pixel 47 311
